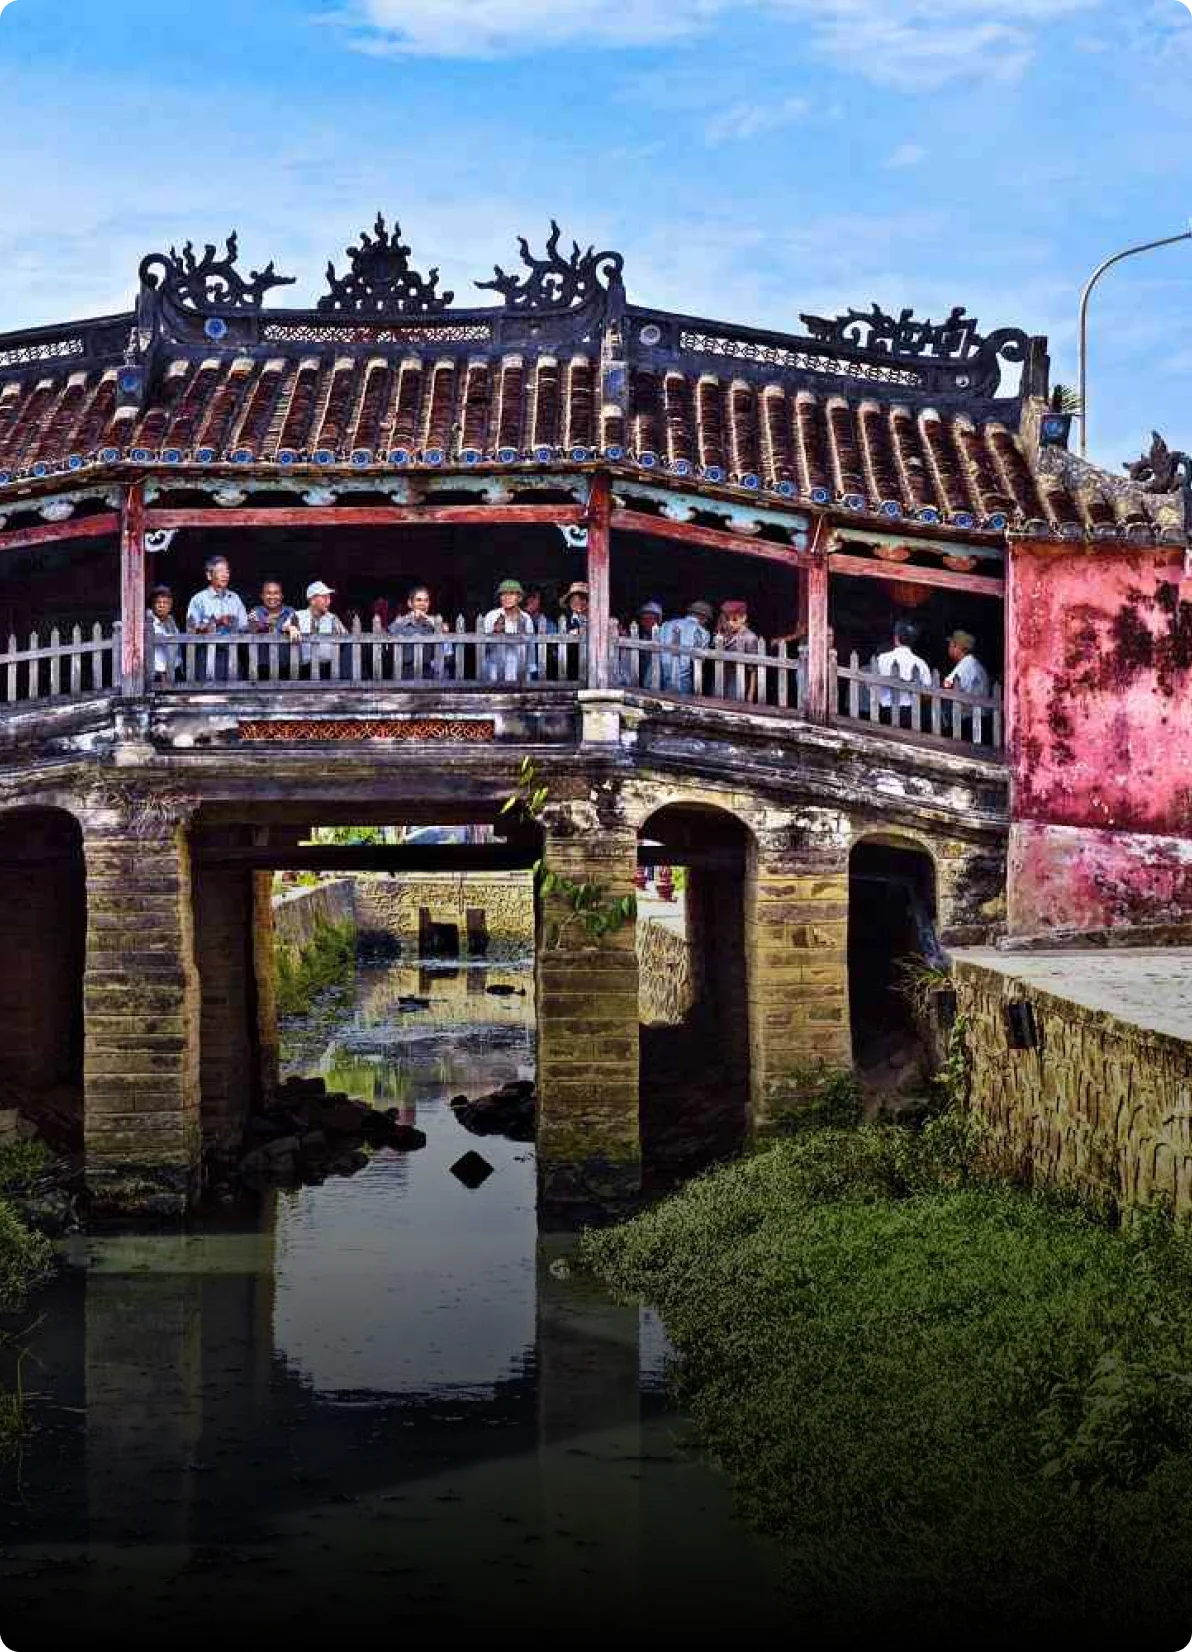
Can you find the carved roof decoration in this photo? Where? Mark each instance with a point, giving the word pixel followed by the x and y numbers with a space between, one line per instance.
pixel 381 281
pixel 881 415
pixel 554 282
pixel 209 282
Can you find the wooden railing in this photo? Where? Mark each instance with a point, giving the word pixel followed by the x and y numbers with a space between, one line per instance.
pixel 864 696
pixel 466 657
pixel 776 676
pixel 56 669
pixel 764 676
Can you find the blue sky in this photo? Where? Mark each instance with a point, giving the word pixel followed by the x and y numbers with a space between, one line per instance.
pixel 751 159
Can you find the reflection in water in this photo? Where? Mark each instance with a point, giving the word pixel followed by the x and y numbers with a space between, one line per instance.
pixel 377 1402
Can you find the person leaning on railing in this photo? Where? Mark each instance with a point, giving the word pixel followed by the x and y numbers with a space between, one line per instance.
pixel 419 624
pixel 967 675
pixel 503 662
pixel 901 661
pixel 736 637
pixel 316 620
pixel 640 666
pixel 680 635
pixel 216 610
pixel 163 624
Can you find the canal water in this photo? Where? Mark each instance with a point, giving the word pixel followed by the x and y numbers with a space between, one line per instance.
pixel 380 1402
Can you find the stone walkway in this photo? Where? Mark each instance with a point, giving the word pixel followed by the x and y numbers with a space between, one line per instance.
pixel 1149 987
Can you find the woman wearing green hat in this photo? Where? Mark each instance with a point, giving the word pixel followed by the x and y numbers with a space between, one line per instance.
pixel 503 663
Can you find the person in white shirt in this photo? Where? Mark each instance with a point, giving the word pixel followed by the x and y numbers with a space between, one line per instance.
pixel 163 624
pixel 902 661
pixel 967 675
pixel 316 620
pixel 505 663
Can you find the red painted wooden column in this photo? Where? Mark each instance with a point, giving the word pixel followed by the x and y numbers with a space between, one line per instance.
pixel 818 640
pixel 132 591
pixel 599 534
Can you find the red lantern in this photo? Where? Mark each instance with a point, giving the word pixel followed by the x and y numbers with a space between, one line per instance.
pixel 907 595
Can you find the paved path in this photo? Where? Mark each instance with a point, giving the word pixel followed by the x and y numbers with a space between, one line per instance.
pixel 1149 987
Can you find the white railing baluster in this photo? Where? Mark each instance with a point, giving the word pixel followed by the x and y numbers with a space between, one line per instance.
pixel 76 661
pixel 55 664
pixel 854 685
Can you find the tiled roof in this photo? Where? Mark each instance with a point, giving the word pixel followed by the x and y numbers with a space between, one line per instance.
pixel 880 414
pixel 886 458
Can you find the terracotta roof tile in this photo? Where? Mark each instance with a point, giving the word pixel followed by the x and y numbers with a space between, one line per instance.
pixel 545 404
pixel 827 447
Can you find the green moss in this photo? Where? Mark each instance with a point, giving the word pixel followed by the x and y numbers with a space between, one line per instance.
pixel 963 1411
pixel 329 961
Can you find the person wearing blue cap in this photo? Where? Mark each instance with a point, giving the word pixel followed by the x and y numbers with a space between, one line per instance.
pixel 640 667
pixel 679 675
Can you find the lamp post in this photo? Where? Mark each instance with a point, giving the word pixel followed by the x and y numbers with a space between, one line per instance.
pixel 1115 258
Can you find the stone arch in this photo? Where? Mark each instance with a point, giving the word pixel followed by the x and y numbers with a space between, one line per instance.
pixel 694 1091
pixel 43 896
pixel 893 913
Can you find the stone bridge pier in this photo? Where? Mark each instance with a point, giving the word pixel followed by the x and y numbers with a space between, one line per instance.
pixel 143 983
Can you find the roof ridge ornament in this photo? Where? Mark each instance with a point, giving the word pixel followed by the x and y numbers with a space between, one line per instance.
pixel 555 282
pixel 381 281
pixel 955 339
pixel 209 282
pixel 1161 470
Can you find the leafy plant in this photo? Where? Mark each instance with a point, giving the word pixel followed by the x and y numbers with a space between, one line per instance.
pixel 917 982
pixel 1064 399
pixel 592 907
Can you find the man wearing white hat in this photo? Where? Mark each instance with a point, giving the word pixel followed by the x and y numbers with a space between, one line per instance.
pixel 317 620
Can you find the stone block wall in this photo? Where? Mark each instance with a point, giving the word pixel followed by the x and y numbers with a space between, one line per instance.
pixel 796 938
pixel 589 1147
pixel 141 1001
pixel 391 905
pixel 299 914
pixel 1099 1106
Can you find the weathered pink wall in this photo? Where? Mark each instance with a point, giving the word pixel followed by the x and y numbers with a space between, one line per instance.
pixel 1101 738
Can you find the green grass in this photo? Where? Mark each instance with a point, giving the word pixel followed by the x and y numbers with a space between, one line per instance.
pixel 328 962
pixel 22 1163
pixel 961 1410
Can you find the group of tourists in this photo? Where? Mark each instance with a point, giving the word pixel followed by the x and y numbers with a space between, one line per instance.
pixel 219 612
pixel 676 665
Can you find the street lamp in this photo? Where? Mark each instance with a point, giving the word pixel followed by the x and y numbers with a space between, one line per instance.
pixel 1127 252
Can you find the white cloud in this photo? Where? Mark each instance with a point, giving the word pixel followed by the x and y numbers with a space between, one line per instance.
pixel 907 154
pixel 911 45
pixel 741 121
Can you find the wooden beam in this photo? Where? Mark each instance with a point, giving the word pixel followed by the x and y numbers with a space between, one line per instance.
pixel 87 527
pixel 902 574
pixel 714 539
pixel 132 591
pixel 818 641
pixel 599 516
pixel 364 516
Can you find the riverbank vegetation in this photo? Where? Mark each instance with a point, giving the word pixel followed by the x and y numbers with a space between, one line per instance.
pixel 25 1262
pixel 965 1412
pixel 329 961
